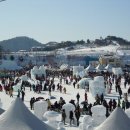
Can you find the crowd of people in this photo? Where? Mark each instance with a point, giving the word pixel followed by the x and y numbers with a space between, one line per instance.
pixel 48 84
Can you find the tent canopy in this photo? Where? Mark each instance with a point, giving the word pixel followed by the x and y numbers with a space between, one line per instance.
pixel 99 68
pixel 90 68
pixel 118 120
pixel 18 117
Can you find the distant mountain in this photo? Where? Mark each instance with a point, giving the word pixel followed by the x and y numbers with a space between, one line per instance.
pixel 111 40
pixel 19 43
pixel 26 43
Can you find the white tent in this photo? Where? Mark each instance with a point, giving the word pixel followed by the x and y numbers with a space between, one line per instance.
pixel 108 68
pixel 64 67
pixel 18 117
pixel 1 111
pixel 90 68
pixel 99 68
pixel 118 120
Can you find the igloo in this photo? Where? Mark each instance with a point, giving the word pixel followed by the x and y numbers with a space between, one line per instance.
pixel 98 114
pixel 68 107
pixel 40 107
pixel 51 116
pixel 96 87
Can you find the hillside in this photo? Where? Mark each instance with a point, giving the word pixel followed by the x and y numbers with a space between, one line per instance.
pixel 19 43
pixel 26 43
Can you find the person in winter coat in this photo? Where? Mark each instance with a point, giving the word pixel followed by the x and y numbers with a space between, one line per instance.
pixel 85 97
pixel 71 117
pixel 120 92
pixel 64 90
pixel 23 94
pixel 18 93
pixel 49 104
pixel 32 103
pixel 78 97
pixel 11 91
pixel 114 104
pixel 63 116
pixel 77 115
pixel 123 105
pixel 110 105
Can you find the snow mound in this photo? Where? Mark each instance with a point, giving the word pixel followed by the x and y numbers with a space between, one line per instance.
pixel 40 107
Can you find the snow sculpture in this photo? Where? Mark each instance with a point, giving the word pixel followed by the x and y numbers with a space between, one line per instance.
pixel 17 86
pixel 24 77
pixel 84 83
pixel 77 70
pixel 35 71
pixel 99 78
pixel 90 127
pixel 98 115
pixel 68 107
pixel 87 121
pixel 117 71
pixel 51 116
pixel 60 126
pixel 42 70
pixel 96 87
pixel 40 107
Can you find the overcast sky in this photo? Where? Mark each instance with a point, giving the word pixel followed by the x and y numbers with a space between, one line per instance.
pixel 62 20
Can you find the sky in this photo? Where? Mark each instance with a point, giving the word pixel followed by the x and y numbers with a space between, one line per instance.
pixel 63 20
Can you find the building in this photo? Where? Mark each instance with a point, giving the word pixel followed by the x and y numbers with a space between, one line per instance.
pixel 110 59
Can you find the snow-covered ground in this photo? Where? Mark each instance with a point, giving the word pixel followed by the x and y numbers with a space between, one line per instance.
pixel 71 94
